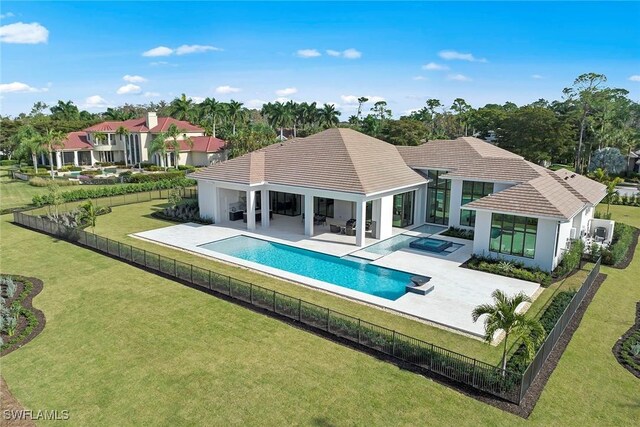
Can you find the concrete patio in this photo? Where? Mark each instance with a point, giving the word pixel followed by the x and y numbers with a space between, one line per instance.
pixel 457 290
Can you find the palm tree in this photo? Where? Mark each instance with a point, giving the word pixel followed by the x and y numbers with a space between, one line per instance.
pixel 174 133
pixel 214 110
pixel 329 115
pixel 236 112
pixel 89 213
pixel 29 143
pixel 123 132
pixel 282 117
pixel 100 137
pixel 502 315
pixel 160 147
pixel 52 140
pixel 361 100
pixel 181 108
pixel 65 111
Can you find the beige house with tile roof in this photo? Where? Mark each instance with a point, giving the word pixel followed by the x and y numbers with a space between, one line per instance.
pixel 83 148
pixel 519 211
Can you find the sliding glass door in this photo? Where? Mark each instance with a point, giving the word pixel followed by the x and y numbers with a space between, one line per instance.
pixel 285 203
pixel 403 209
pixel 438 194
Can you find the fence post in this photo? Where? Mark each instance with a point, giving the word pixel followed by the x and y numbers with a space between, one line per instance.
pixel 299 310
pixel 251 293
pixel 393 349
pixel 473 376
pixel 274 301
pixel 175 267
pixel 229 285
pixel 431 357
pixel 209 278
pixel 191 273
pixel 119 253
pixel 328 317
pixel 145 257
pixel 358 330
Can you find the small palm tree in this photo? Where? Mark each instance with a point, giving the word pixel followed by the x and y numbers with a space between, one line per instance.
pixel 173 133
pixel 160 147
pixel 502 316
pixel 52 140
pixel 89 214
pixel 123 132
pixel 236 112
pixel 29 143
pixel 329 115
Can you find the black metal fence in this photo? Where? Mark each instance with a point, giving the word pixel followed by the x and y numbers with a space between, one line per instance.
pixel 552 337
pixel 428 357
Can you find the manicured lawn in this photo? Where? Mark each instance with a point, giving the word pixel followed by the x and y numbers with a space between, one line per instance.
pixel 122 346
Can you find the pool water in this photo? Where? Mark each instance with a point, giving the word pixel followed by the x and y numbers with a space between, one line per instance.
pixel 346 272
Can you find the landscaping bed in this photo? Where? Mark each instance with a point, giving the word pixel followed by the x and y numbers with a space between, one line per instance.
pixel 187 211
pixel 508 269
pixel 460 233
pixel 622 249
pixel 28 321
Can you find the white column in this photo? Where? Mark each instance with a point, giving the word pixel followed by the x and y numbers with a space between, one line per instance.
pixel 361 215
pixel 251 210
pixel 58 159
pixel 75 159
pixel 264 207
pixel 308 215
pixel 455 200
pixel 386 217
pixel 42 159
pixel 376 216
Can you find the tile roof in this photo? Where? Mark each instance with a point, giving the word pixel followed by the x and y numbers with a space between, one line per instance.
pixel 203 144
pixel 335 159
pixel 140 125
pixel 586 189
pixel 76 141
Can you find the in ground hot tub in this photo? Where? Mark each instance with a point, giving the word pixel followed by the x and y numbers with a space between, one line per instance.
pixel 430 245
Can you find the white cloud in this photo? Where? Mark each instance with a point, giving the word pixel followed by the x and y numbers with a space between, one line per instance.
pixel 282 99
pixel 432 66
pixel 419 78
pixel 95 101
pixel 151 94
pixel 458 77
pixel 347 54
pixel 454 55
pixel 308 53
pixel 196 99
pixel 134 79
pixel 226 89
pixel 351 54
pixel 353 99
pixel 255 103
pixel 635 78
pixel 286 91
pixel 158 51
pixel 6 15
pixel 19 87
pixel 20 32
pixel 536 76
pixel 186 49
pixel 128 88
pixel 162 64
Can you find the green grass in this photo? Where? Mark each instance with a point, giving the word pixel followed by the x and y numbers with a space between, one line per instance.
pixel 125 347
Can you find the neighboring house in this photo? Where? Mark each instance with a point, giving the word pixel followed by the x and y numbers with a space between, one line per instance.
pixel 84 148
pixel 519 211
pixel 633 161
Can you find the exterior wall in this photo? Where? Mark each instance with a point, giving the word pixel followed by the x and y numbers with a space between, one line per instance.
pixel 581 222
pixel 546 257
pixel 145 142
pixel 343 210
pixel 208 200
pixel 564 240
pixel 225 197
pixel 454 203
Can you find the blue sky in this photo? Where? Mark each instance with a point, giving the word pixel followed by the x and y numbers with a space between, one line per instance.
pixel 325 52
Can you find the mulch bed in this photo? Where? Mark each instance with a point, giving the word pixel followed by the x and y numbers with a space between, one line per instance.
pixel 27 303
pixel 11 404
pixel 617 348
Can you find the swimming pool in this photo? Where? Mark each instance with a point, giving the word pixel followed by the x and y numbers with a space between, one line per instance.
pixel 357 275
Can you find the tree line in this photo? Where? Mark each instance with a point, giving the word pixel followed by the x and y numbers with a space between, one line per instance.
pixel 589 116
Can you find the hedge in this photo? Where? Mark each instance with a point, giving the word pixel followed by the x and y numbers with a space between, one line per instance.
pixel 137 178
pixel 8 162
pixel 570 260
pixel 519 361
pixel 621 243
pixel 115 190
pixel 37 181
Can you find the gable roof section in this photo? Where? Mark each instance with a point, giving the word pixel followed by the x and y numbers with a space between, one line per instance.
pixel 76 141
pixel 165 122
pixel 586 189
pixel 202 144
pixel 335 159
pixel 140 125
pixel 541 196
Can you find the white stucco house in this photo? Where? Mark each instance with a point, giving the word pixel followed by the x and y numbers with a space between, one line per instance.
pixel 83 148
pixel 518 210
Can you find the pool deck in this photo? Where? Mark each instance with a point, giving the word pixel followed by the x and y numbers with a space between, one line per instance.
pixel 457 290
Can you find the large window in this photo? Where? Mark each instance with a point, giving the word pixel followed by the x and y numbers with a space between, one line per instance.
pixel 438 193
pixel 323 206
pixel 285 203
pixel 513 235
pixel 472 191
pixel 403 209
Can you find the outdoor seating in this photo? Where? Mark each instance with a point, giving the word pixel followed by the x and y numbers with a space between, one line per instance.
pixel 600 234
pixel 334 228
pixel 319 220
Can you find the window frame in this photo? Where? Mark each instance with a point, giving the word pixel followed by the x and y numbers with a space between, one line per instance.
pixel 509 231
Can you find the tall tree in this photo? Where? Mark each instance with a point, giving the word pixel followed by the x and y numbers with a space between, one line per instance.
pixel 160 146
pixel 65 111
pixel 29 144
pixel 502 315
pixel 181 108
pixel 52 140
pixel 214 111
pixel 123 133
pixel 463 110
pixel 362 100
pixel 174 133
pixel 236 112
pixel 329 116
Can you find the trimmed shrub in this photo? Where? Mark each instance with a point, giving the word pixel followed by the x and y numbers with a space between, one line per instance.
pixel 570 260
pixel 90 172
pixel 187 168
pixel 143 177
pixel 460 233
pixel 8 162
pixel 621 243
pixel 515 269
pixel 36 181
pixel 183 212
pixel 114 190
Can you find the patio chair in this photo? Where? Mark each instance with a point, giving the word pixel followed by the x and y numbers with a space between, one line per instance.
pixel 350 230
pixel 600 234
pixel 334 228
pixel 319 220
